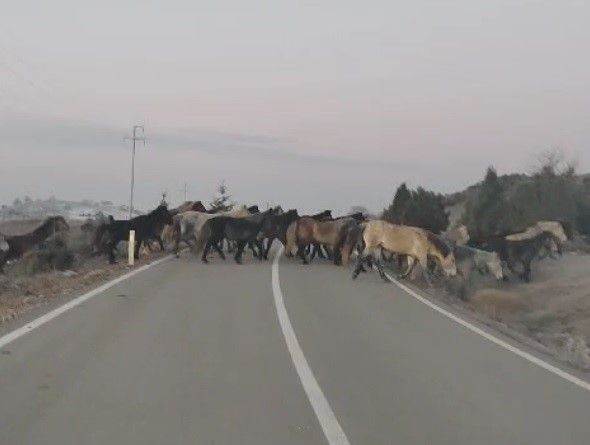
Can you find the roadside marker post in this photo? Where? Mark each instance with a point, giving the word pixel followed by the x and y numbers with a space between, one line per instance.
pixel 131 248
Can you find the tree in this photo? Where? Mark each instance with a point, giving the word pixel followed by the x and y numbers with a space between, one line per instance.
pixel 418 208
pixel 427 210
pixel 222 202
pixel 396 212
pixel 483 214
pixel 17 202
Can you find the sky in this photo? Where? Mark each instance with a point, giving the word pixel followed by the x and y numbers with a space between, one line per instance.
pixel 307 104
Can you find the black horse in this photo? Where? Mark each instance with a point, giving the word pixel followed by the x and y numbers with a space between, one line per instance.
pixel 523 251
pixel 275 227
pixel 16 246
pixel 244 231
pixel 147 227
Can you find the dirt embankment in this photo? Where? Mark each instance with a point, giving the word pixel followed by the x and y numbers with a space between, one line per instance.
pixel 552 311
pixel 22 288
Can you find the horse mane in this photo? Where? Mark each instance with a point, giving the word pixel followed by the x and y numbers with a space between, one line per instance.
pixel 47 223
pixel 567 228
pixel 439 244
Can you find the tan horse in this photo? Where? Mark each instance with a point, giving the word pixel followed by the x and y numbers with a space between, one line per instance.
pixel 307 230
pixel 417 244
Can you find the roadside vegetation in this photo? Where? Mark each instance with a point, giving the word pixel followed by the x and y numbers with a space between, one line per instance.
pixel 552 313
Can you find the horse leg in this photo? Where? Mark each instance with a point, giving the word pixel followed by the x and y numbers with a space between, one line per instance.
pixel 238 256
pixel 206 252
pixel 255 253
pixel 137 246
pixel 358 268
pixel 111 251
pixel 337 256
pixel 380 269
pixel 410 268
pixel 218 249
pixel 526 275
pixel 313 251
pixel 260 245
pixel 424 265
pixel 160 242
pixel 269 242
pixel 301 253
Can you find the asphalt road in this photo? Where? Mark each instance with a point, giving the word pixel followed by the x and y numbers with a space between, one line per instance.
pixel 191 354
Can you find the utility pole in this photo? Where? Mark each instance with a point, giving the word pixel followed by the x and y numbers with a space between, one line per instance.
pixel 134 138
pixel 184 190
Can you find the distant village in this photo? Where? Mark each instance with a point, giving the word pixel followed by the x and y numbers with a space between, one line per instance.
pixel 28 208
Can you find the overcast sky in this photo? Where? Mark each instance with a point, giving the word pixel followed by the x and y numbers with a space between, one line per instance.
pixel 311 104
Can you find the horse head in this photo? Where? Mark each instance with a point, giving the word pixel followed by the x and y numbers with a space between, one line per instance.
pixel 58 223
pixel 494 266
pixel 162 214
pixel 448 264
pixel 444 253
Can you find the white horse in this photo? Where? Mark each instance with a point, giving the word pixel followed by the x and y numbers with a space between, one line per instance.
pixel 553 227
pixel 469 259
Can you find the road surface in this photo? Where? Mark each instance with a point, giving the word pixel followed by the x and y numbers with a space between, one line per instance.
pixel 195 354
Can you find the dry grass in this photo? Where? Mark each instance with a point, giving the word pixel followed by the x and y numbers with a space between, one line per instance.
pixel 500 305
pixel 26 285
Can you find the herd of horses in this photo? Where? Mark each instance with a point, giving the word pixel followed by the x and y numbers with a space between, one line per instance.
pixel 373 241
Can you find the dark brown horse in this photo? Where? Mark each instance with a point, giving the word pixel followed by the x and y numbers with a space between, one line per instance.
pixel 522 251
pixel 18 245
pixel 276 228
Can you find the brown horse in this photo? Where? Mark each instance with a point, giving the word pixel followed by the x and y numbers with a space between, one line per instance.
pixel 416 243
pixel 20 244
pixel 307 230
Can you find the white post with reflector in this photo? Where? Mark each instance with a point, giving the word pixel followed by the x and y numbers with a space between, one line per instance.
pixel 131 247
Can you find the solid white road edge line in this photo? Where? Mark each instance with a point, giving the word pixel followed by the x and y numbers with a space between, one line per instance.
pixel 332 429
pixel 525 355
pixel 29 327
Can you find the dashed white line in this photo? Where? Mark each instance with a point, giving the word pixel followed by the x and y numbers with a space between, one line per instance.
pixel 30 327
pixel 332 429
pixel 525 355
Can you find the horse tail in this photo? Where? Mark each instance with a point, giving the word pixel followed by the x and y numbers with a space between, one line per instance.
pixel 98 241
pixel 203 236
pixel 291 238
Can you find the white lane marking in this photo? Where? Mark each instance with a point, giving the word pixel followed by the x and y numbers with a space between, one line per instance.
pixel 30 327
pixel 525 355
pixel 332 429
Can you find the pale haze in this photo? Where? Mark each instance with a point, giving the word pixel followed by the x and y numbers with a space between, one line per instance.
pixel 322 104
